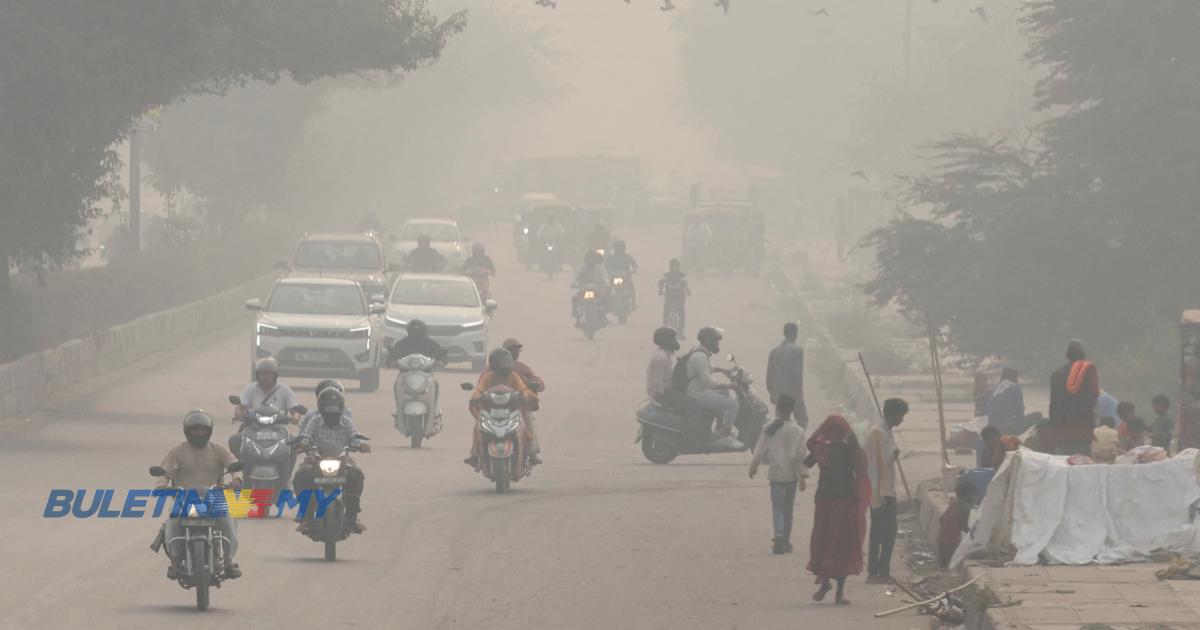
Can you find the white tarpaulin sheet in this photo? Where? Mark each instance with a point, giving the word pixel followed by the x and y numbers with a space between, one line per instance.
pixel 1042 507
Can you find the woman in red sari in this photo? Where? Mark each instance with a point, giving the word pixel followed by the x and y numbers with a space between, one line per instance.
pixel 843 494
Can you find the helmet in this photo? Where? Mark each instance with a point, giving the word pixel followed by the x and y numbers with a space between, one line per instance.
pixel 268 364
pixel 327 383
pixel 619 246
pixel 417 328
pixel 477 248
pixel 331 402
pixel 674 264
pixel 197 418
pixel 708 334
pixel 666 339
pixel 422 239
pixel 500 360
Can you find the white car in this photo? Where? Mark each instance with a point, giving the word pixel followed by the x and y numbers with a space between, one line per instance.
pixel 319 328
pixel 452 309
pixel 444 237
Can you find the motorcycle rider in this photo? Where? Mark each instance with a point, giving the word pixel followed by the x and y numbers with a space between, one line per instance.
pixel 620 263
pixel 592 272
pixel 417 341
pixel 316 411
pixel 535 385
pixel 265 390
pixel 329 436
pixel 673 286
pixel 478 260
pixel 501 371
pixel 659 372
pixel 712 396
pixel 425 259
pixel 196 464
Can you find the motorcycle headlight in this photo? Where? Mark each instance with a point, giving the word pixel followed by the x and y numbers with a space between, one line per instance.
pixel 266 419
pixel 524 230
pixel 618 281
pixel 330 467
pixel 193 512
pixel 500 399
pixel 589 295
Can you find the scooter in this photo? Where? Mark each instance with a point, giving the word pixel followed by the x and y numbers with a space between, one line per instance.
pixel 483 282
pixel 416 391
pixel 504 453
pixel 330 476
pixel 667 433
pixel 264 447
pixel 622 297
pixel 203 544
pixel 591 312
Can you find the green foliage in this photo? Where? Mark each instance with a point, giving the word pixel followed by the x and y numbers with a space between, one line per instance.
pixel 1144 367
pixel 1089 231
pixel 861 329
pixel 74 76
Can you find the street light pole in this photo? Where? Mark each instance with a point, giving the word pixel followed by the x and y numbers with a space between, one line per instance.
pixel 135 189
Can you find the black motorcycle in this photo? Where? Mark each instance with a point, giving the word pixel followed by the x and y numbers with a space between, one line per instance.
pixel 203 543
pixel 329 475
pixel 667 433
pixel 592 315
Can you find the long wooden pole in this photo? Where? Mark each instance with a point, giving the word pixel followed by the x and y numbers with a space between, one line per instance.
pixel 936 362
pixel 900 468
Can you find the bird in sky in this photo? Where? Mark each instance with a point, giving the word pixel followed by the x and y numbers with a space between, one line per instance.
pixel 981 12
pixel 549 4
pixel 724 4
pixel 668 5
pixel 860 174
pixel 820 11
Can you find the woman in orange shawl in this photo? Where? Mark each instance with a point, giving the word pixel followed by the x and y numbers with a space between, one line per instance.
pixel 843 494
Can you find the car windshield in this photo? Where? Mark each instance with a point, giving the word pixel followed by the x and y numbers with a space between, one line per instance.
pixel 435 231
pixel 435 293
pixel 316 299
pixel 338 255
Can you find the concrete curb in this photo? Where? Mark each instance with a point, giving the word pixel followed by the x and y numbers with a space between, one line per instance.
pixel 31 380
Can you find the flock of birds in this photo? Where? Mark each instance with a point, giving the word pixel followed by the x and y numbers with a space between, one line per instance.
pixel 669 5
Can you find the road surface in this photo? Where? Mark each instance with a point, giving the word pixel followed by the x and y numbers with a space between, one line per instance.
pixel 597 538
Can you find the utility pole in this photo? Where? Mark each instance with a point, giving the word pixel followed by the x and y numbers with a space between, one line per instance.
pixel 135 189
pixel 907 43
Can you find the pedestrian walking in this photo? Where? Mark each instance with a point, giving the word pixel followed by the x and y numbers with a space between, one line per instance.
pixel 881 465
pixel 781 445
pixel 840 515
pixel 785 372
pixel 1074 390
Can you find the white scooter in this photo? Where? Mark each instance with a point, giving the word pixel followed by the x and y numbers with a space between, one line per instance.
pixel 417 415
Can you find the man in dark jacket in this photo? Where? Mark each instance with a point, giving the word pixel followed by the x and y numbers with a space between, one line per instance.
pixel 1074 389
pixel 416 342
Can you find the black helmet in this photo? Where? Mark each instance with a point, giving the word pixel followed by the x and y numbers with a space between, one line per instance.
pixel 619 246
pixel 666 338
pixel 501 361
pixel 709 335
pixel 197 428
pixel 423 239
pixel 417 328
pixel 327 383
pixel 331 404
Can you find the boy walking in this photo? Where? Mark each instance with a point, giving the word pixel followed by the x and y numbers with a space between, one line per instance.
pixel 781 444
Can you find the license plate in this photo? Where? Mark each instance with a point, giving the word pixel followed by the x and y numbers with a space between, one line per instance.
pixel 329 481
pixel 266 435
pixel 313 357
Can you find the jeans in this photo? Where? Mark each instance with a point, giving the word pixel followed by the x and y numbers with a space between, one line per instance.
pixel 883 538
pixel 783 501
pixel 726 408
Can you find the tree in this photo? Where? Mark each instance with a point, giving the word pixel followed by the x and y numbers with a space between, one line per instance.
pixel 74 76
pixel 1091 229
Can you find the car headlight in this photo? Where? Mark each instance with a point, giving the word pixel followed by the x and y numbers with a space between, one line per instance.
pixel 396 322
pixel 589 295
pixel 359 333
pixel 473 326
pixel 267 330
pixel 330 467
pixel 524 230
pixel 618 281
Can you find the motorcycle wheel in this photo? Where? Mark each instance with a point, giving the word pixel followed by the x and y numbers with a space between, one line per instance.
pixel 500 474
pixel 200 571
pixel 331 536
pixel 656 450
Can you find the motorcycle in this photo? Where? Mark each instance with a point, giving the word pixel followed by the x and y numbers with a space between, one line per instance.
pixel 551 261
pixel 591 311
pixel 622 296
pixel 483 282
pixel 666 433
pixel 264 446
pixel 203 542
pixel 416 391
pixel 673 312
pixel 332 526
pixel 503 456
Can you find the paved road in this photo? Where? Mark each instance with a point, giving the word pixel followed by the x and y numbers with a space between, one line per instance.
pixel 596 538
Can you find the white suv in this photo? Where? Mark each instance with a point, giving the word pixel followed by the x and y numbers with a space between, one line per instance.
pixel 450 306
pixel 319 328
pixel 444 237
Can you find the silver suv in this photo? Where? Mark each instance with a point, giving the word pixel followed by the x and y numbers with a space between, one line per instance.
pixel 319 328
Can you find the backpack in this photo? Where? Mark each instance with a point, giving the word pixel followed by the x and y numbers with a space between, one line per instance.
pixel 679 376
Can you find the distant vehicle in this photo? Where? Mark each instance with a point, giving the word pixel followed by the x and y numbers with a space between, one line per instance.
pixel 450 306
pixel 444 236
pixel 354 256
pixel 319 328
pixel 738 237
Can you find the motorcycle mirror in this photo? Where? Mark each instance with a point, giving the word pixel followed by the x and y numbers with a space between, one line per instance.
pixel 466 387
pixel 729 357
pixel 377 308
pixel 491 305
pixel 359 436
pixel 302 410
pixel 235 399
pixel 254 305
pixel 158 471
pixel 236 467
